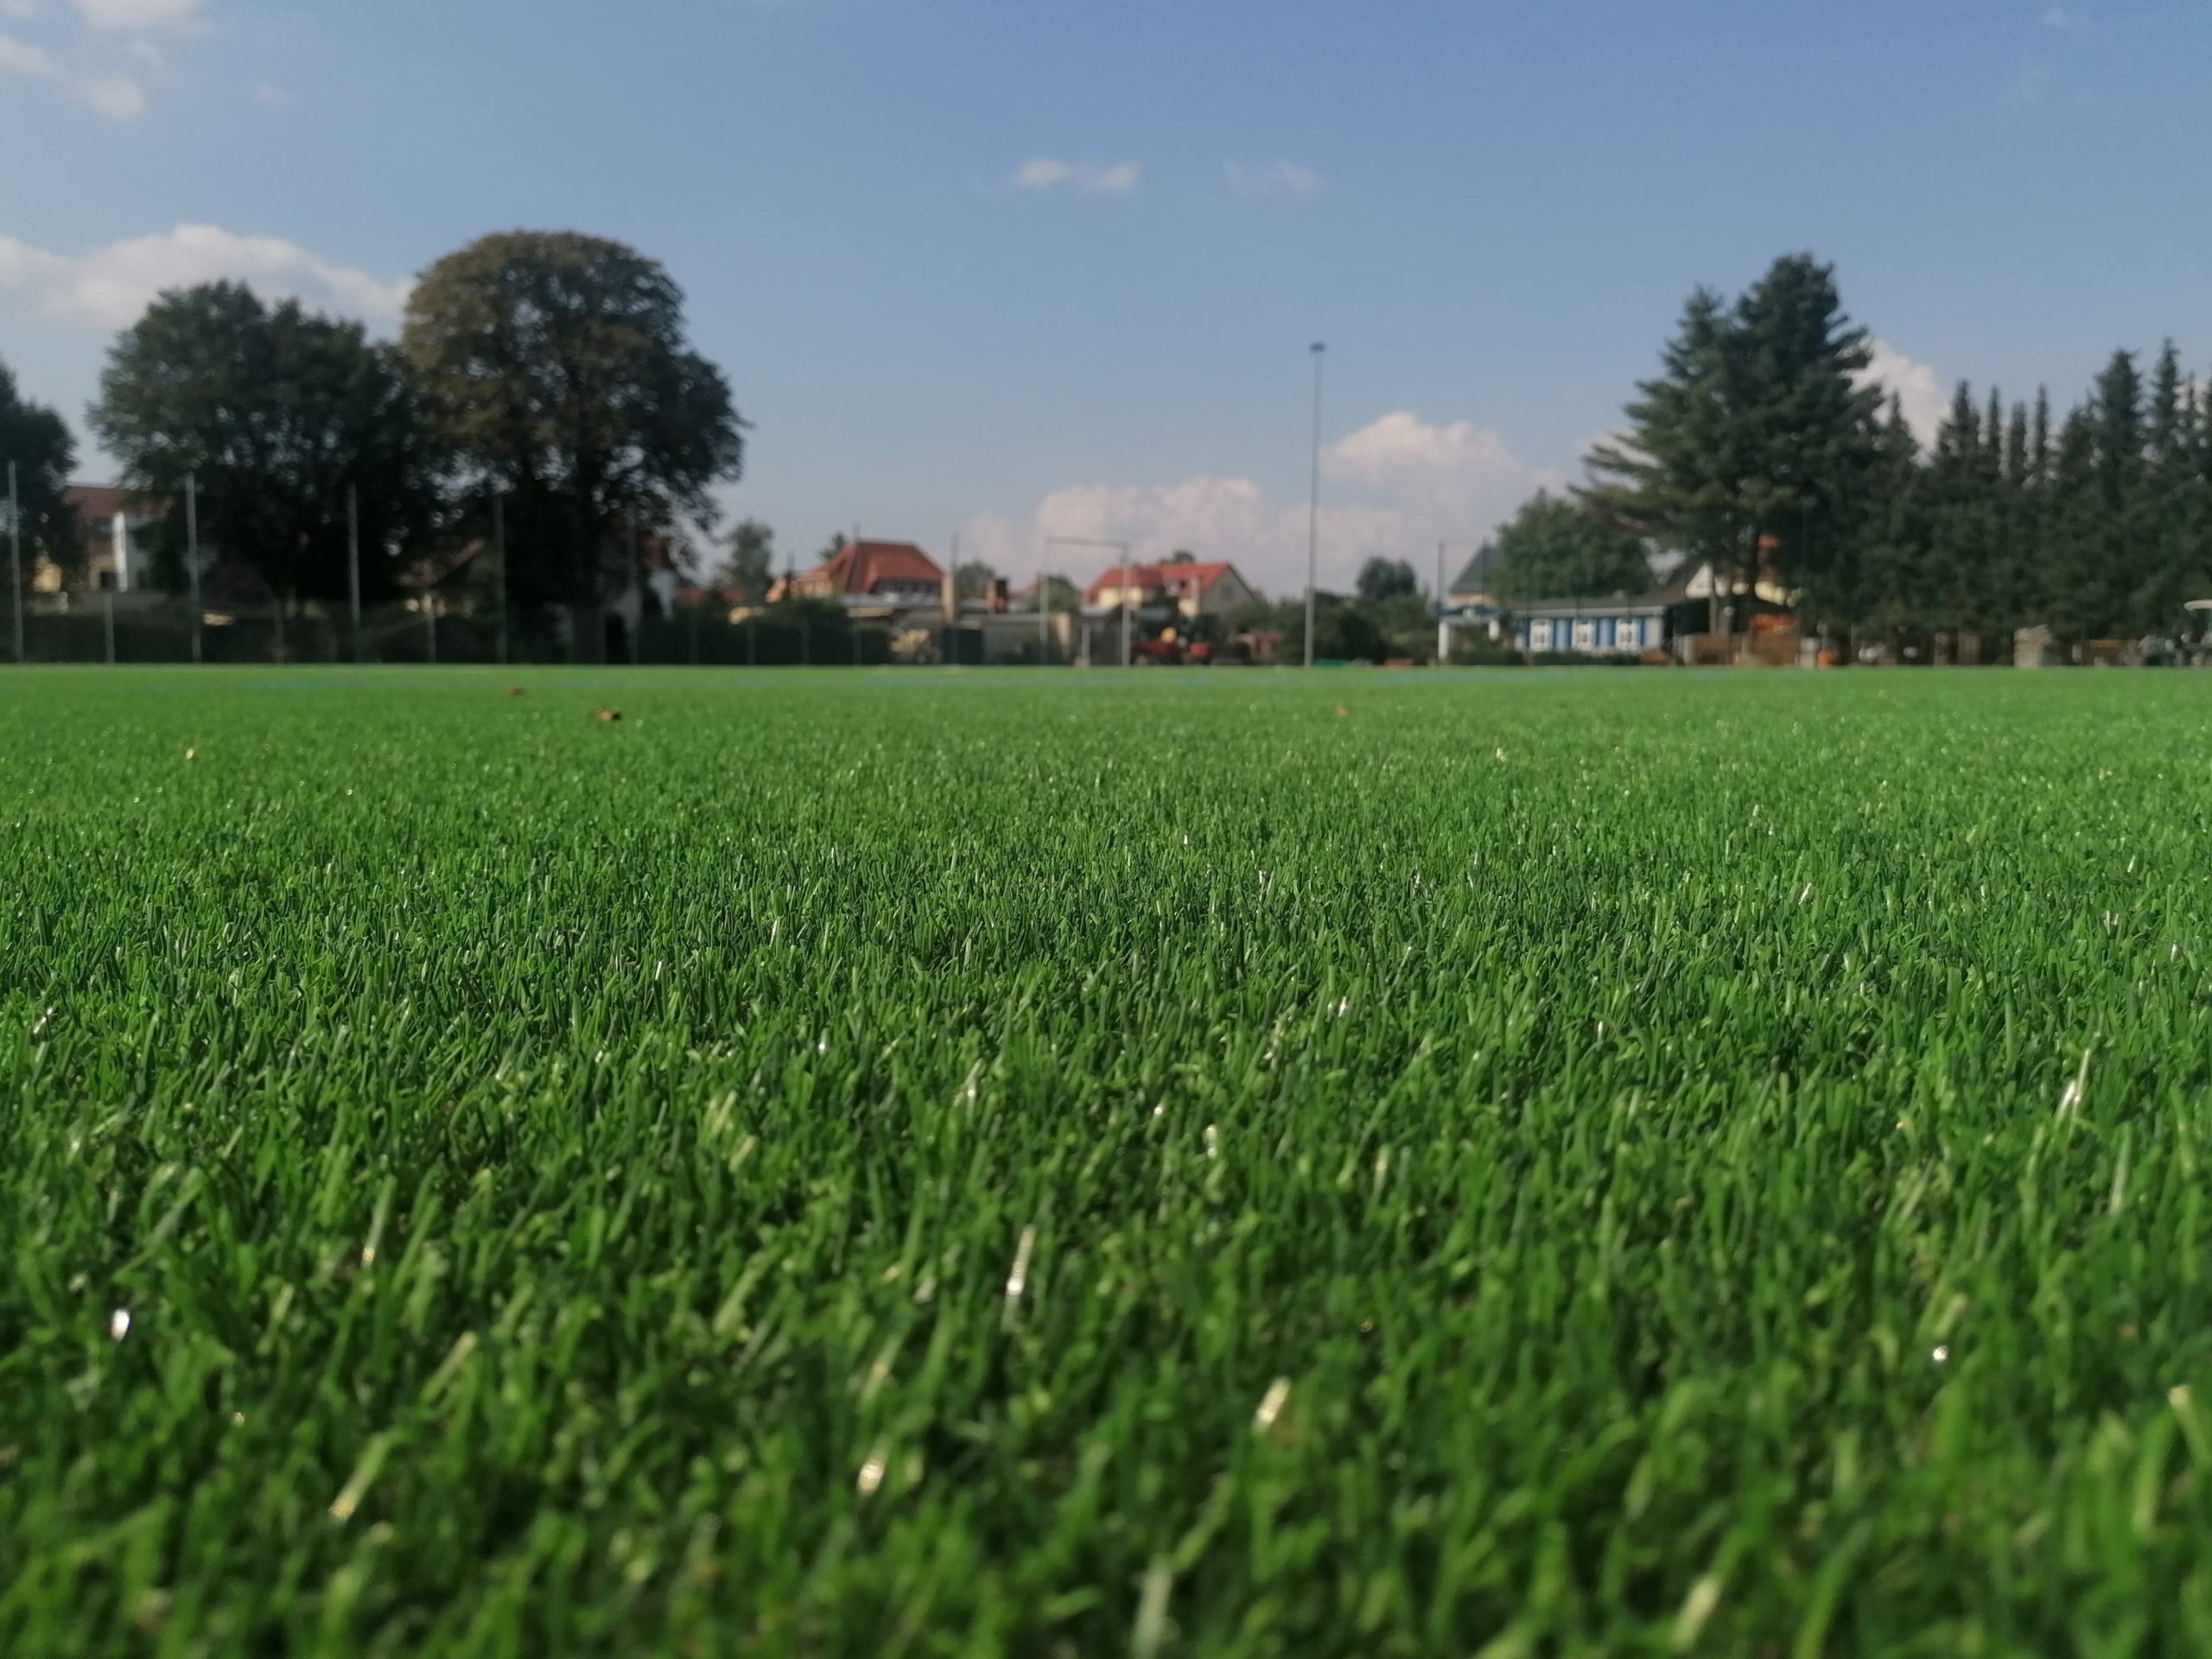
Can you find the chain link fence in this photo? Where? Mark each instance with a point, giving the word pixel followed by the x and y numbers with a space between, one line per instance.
pixel 137 628
pixel 107 627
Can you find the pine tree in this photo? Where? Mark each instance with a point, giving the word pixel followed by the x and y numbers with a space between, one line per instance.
pixel 1888 567
pixel 2167 515
pixel 2071 585
pixel 1954 489
pixel 2117 538
pixel 1756 433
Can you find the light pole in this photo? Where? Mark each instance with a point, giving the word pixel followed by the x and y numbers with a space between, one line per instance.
pixel 1314 506
pixel 1043 621
pixel 499 556
pixel 354 567
pixel 1121 548
pixel 192 554
pixel 16 555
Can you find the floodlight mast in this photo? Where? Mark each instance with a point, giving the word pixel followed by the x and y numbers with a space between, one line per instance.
pixel 1314 506
pixel 1121 548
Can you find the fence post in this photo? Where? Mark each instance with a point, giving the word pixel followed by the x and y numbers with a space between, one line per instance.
pixel 499 552
pixel 192 553
pixel 15 557
pixel 353 564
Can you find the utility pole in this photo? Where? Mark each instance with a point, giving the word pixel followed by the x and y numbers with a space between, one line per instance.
pixel 1443 628
pixel 500 554
pixel 192 553
pixel 1121 550
pixel 353 566
pixel 1043 621
pixel 16 555
pixel 1314 507
pixel 637 593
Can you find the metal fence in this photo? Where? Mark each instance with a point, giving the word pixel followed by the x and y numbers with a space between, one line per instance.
pixel 141 627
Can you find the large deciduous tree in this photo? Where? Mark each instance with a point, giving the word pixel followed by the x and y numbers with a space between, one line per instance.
pixel 37 440
pixel 557 367
pixel 1557 548
pixel 278 414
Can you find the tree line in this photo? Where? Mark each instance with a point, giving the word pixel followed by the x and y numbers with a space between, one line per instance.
pixel 1763 447
pixel 546 377
pixel 551 374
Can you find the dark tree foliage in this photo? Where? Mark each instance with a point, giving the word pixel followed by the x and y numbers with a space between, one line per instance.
pixel 1752 447
pixel 1761 446
pixel 277 414
pixel 1381 579
pixel 749 567
pixel 558 368
pixel 37 440
pixel 1555 548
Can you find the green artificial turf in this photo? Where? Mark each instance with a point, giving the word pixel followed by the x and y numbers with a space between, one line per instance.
pixel 1230 1164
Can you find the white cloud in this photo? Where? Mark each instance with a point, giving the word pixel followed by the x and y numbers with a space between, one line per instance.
pixel 32 62
pixel 1085 177
pixel 145 54
pixel 117 97
pixel 1271 179
pixel 1916 387
pixel 138 17
pixel 2063 17
pixel 1415 486
pixel 1456 473
pixel 111 287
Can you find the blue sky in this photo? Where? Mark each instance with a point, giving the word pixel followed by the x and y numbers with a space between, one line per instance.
pixel 1015 268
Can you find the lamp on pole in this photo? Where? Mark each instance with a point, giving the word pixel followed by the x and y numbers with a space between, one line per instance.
pixel 1314 506
pixel 500 557
pixel 16 555
pixel 1121 548
pixel 192 554
pixel 1044 620
pixel 353 566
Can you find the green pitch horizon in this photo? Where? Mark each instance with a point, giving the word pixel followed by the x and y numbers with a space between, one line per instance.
pixel 995 1163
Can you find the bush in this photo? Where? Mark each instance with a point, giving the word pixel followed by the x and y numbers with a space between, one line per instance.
pixel 1487 654
pixel 1585 659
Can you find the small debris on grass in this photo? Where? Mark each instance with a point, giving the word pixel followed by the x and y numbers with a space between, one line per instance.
pixel 516 691
pixel 606 714
pixel 1341 711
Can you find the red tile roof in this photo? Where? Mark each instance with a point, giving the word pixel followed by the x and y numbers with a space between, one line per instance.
pixel 1151 576
pixel 864 566
pixel 94 502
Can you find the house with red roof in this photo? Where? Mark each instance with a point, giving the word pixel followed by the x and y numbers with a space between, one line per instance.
pixel 114 527
pixel 1193 587
pixel 897 574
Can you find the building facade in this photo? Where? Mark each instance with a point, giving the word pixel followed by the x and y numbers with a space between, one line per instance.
pixel 115 528
pixel 894 573
pixel 1596 627
pixel 1193 587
